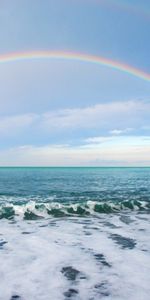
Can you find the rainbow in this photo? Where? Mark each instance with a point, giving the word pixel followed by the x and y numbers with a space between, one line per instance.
pixel 73 56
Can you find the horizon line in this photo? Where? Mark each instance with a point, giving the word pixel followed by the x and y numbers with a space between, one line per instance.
pixel 75 166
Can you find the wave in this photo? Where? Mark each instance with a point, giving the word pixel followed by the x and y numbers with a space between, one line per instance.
pixel 33 210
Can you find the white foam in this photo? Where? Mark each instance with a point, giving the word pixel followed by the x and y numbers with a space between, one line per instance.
pixel 31 264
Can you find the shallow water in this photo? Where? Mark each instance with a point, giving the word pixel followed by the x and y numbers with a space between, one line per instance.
pixel 74 233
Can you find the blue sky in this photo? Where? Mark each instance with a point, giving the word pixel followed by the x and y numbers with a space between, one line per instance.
pixel 67 112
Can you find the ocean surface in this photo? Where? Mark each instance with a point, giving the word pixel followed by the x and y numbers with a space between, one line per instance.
pixel 74 233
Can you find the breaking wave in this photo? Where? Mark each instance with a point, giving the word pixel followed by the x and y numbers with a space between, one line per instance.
pixel 34 210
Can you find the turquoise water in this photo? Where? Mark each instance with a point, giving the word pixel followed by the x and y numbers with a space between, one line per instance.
pixel 102 190
pixel 74 233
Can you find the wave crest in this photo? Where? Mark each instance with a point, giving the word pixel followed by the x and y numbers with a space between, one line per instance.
pixel 34 210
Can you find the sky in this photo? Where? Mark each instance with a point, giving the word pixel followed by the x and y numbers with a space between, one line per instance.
pixel 67 112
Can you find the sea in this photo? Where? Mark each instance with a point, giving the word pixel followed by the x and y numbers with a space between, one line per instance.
pixel 74 233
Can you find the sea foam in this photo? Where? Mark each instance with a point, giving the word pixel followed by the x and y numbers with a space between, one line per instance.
pixel 77 258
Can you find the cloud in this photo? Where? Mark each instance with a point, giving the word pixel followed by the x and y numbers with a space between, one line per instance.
pixel 123 151
pixel 104 116
pixel 123 116
pixel 128 139
pixel 120 131
pixel 12 125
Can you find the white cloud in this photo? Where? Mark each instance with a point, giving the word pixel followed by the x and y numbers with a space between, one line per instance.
pixel 107 115
pixel 123 116
pixel 114 140
pixel 120 131
pixel 125 151
pixel 16 124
